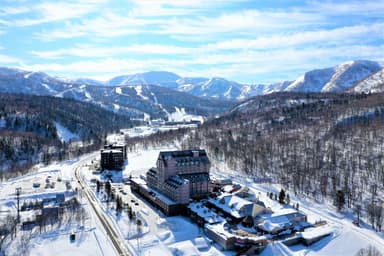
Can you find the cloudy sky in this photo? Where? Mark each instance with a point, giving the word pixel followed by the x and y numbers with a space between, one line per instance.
pixel 253 41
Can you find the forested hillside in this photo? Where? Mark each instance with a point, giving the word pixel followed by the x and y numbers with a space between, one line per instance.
pixel 324 146
pixel 29 129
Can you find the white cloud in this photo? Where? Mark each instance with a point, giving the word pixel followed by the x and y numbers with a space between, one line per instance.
pixel 8 10
pixel 106 25
pixel 156 8
pixel 194 37
pixel 343 35
pixel 5 59
pixel 108 51
pixel 262 66
pixel 350 7
pixel 104 66
pixel 324 38
pixel 249 22
pixel 182 19
pixel 47 12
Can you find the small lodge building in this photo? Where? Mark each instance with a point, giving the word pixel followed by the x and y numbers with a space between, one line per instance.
pixel 236 207
pixel 281 221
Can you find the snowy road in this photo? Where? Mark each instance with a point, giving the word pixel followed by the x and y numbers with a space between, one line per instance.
pixel 117 241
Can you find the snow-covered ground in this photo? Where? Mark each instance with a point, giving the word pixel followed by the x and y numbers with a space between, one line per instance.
pixel 346 239
pixel 64 134
pixel 164 236
pixel 173 235
pixel 181 116
pixel 91 238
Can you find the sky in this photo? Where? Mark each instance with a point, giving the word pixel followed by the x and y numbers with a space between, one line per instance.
pixel 253 41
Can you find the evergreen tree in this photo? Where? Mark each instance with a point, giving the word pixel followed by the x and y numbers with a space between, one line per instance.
pixel 339 200
pixel 282 196
pixel 108 190
pixel 130 213
pixel 98 186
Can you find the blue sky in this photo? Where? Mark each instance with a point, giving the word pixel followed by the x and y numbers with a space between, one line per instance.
pixel 254 41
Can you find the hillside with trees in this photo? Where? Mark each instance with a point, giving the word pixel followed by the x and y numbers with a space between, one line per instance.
pixel 29 129
pixel 323 146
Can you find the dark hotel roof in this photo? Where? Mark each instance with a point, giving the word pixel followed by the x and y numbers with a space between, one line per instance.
pixel 186 156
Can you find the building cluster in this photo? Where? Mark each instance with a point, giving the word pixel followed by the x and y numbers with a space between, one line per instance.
pixel 112 157
pixel 231 214
pixel 236 221
pixel 42 212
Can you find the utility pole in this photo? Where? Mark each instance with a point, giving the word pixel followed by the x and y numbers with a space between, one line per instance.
pixel 18 190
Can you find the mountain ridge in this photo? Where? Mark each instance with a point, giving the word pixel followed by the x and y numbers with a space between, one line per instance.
pixel 157 94
pixel 338 78
pixel 134 101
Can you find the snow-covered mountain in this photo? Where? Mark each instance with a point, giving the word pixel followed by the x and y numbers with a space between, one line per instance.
pixel 21 81
pixel 139 90
pixel 216 87
pixel 199 86
pixel 335 79
pixel 136 101
pixel 161 78
pixel 373 83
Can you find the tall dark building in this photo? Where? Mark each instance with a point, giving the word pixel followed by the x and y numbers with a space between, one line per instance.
pixel 113 157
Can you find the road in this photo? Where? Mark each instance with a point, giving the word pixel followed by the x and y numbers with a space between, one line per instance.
pixel 117 241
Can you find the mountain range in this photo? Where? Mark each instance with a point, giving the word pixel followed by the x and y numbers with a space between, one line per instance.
pixel 157 94
pixel 135 101
pixel 356 76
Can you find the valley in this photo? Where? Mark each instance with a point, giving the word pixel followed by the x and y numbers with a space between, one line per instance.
pixel 191 128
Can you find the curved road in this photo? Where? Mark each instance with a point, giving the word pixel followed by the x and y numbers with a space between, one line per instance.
pixel 111 232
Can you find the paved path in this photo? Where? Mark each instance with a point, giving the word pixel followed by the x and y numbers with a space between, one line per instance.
pixel 117 241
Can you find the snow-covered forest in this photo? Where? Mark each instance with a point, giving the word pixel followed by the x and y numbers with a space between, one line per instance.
pixel 41 129
pixel 323 146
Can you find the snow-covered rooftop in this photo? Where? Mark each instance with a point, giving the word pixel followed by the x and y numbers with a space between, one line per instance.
pixel 185 248
pixel 231 204
pixel 274 224
pixel 285 211
pixel 316 232
pixel 205 213
pixel 222 230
